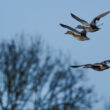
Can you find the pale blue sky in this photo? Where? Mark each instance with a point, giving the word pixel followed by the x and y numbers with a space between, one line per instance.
pixel 43 17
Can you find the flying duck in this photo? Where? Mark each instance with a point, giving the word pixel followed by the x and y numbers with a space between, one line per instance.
pixel 89 27
pixel 96 66
pixel 78 35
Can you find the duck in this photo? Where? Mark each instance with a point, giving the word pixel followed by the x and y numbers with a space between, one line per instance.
pixel 78 35
pixel 96 66
pixel 92 26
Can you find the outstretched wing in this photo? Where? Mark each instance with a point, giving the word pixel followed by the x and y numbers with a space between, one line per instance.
pixel 106 62
pixel 70 28
pixel 84 66
pixel 97 18
pixel 85 23
pixel 76 66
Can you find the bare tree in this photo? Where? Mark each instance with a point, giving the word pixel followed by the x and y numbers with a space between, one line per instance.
pixel 66 91
pixel 33 75
pixel 106 105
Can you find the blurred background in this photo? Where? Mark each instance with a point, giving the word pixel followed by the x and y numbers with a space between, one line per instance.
pixel 27 24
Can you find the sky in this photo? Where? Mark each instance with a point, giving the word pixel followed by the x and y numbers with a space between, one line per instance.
pixel 42 17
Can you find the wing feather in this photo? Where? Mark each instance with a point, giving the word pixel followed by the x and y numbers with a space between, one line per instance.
pixel 76 66
pixel 85 23
pixel 70 28
pixel 97 18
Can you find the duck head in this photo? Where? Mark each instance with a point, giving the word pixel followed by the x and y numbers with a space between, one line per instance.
pixel 80 27
pixel 69 32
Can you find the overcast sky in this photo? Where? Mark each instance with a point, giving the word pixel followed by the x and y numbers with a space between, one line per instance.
pixel 42 17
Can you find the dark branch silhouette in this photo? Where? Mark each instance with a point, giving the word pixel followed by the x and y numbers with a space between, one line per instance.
pixel 33 75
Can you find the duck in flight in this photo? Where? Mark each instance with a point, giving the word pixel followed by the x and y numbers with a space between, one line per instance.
pixel 96 66
pixel 89 27
pixel 79 35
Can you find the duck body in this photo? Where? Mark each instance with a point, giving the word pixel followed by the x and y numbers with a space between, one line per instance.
pixel 78 35
pixel 96 66
pixel 89 27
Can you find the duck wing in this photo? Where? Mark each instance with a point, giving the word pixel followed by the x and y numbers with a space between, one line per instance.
pixel 70 28
pixel 97 18
pixel 106 62
pixel 85 23
pixel 76 66
pixel 84 66
pixel 97 64
pixel 83 32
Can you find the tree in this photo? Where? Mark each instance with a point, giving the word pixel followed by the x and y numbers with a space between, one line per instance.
pixel 31 74
pixel 106 105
